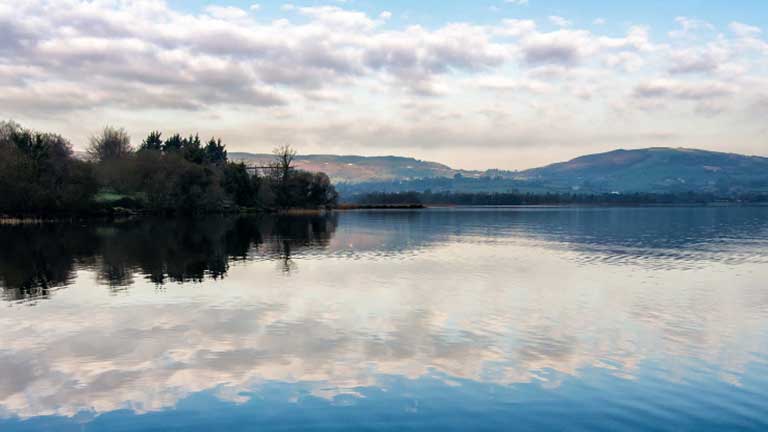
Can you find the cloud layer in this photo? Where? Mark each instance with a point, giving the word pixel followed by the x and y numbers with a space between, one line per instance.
pixel 335 79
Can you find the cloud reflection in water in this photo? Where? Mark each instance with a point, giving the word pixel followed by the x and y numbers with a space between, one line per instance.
pixel 486 296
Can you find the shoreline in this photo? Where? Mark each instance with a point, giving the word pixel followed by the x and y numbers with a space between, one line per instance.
pixel 6 219
pixel 344 207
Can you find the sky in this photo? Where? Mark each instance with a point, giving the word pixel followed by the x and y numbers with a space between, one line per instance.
pixel 505 84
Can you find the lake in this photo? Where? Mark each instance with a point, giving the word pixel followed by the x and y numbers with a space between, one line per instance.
pixel 615 319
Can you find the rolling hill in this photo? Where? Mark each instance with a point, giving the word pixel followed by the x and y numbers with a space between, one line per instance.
pixel 357 169
pixel 655 169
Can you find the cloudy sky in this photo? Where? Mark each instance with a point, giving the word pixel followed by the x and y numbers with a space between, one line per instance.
pixel 474 84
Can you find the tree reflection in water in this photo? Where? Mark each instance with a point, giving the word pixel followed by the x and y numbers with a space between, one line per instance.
pixel 35 259
pixel 38 258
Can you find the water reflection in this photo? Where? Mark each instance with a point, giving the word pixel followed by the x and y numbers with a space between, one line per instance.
pixel 451 319
pixel 638 236
pixel 38 258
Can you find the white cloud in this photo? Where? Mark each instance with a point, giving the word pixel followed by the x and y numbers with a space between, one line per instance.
pixel 626 60
pixel 516 28
pixel 504 84
pixel 226 12
pixel 566 47
pixel 147 62
pixel 336 17
pixel 690 27
pixel 744 30
pixel 695 61
pixel 674 89
pixel 559 21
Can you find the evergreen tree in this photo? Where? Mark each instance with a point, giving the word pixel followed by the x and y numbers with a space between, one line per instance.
pixel 153 142
pixel 215 152
pixel 192 149
pixel 173 144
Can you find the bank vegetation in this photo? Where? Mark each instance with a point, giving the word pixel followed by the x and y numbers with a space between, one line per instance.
pixel 40 174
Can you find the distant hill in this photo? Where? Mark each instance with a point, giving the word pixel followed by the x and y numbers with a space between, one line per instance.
pixel 622 171
pixel 357 169
pixel 654 170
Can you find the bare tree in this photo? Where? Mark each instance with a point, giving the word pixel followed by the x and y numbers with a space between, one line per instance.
pixel 110 144
pixel 280 173
pixel 283 164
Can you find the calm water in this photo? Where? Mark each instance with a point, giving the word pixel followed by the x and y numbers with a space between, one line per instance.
pixel 465 319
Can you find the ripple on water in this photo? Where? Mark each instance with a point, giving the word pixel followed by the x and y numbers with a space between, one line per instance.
pixel 556 319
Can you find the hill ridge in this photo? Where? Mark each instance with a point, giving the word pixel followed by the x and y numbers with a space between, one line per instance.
pixel 652 169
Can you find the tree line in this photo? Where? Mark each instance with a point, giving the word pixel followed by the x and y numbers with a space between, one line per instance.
pixel 520 198
pixel 731 187
pixel 40 174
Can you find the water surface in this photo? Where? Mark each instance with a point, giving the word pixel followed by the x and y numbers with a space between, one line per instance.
pixel 444 319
